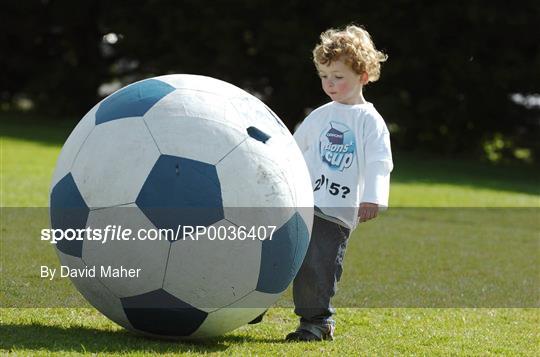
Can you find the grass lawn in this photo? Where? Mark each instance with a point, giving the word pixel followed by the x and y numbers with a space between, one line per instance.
pixel 421 279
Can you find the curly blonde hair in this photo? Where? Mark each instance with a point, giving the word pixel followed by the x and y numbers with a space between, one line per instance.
pixel 354 46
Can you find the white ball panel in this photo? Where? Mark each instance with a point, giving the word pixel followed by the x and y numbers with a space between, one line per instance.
pixel 150 256
pixel 114 162
pixel 232 117
pixel 201 83
pixel 235 315
pixel 259 193
pixel 188 103
pixel 297 173
pixel 257 114
pixel 72 146
pixel 278 120
pixel 209 274
pixel 95 292
pixel 195 130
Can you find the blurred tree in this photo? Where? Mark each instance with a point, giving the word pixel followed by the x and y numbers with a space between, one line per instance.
pixel 446 88
pixel 53 54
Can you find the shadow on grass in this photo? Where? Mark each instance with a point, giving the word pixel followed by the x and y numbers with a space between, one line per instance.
pixel 50 133
pixel 14 337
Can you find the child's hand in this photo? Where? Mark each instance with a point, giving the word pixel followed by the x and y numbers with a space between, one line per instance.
pixel 367 211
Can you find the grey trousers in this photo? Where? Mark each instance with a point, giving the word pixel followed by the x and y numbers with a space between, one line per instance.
pixel 316 281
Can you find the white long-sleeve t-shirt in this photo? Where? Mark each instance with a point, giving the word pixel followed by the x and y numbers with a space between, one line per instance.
pixel 347 151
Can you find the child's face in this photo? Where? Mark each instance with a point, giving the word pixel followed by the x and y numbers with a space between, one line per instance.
pixel 341 83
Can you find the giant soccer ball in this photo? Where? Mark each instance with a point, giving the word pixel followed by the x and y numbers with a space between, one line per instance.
pixel 182 150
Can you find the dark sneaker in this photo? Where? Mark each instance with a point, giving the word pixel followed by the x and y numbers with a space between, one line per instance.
pixel 304 335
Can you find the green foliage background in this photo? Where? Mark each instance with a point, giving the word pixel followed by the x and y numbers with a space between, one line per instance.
pixel 453 65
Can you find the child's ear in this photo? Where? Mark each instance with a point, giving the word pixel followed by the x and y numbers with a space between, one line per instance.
pixel 364 78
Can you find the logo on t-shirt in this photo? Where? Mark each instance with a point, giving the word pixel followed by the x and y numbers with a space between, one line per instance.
pixel 337 146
